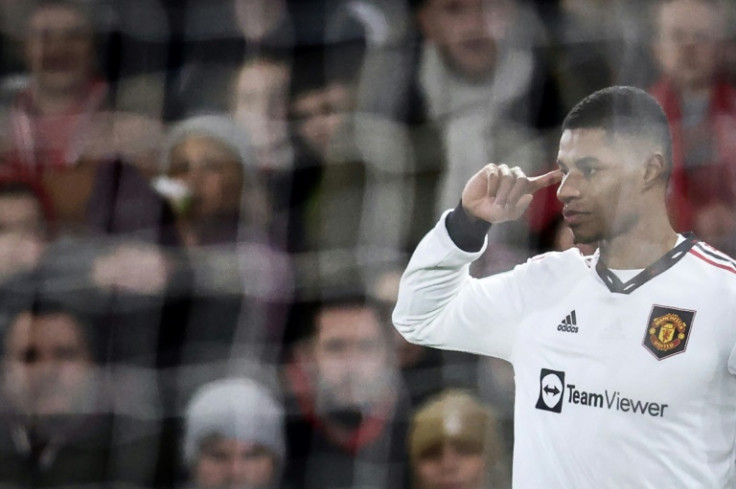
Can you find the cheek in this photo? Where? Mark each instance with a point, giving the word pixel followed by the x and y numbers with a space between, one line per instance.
pixel 373 363
pixel 83 55
pixel 259 472
pixel 16 378
pixel 208 473
pixel 427 473
pixel 707 56
pixel 472 470
pixel 332 368
pixel 310 129
pixel 209 190
pixel 74 374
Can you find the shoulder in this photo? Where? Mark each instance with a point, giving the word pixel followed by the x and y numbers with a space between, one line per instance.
pixel 713 256
pixel 558 258
pixel 714 270
pixel 569 263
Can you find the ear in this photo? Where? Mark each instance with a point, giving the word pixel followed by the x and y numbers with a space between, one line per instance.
pixel 655 171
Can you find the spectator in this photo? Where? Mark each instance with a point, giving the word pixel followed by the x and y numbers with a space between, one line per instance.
pixel 210 162
pixel 60 116
pixel 701 108
pixel 330 175
pixel 482 79
pixel 474 86
pixel 59 52
pixel 59 423
pixel 225 32
pixel 61 122
pixel 321 106
pixel 260 105
pixel 454 442
pixel 597 44
pixel 26 225
pixel 239 279
pixel 234 436
pixel 219 37
pixel 346 415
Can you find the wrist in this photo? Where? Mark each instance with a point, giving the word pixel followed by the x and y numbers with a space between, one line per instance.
pixel 466 231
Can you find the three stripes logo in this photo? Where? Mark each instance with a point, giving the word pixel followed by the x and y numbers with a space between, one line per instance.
pixel 569 323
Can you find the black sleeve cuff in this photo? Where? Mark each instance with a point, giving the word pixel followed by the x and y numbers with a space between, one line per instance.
pixel 467 232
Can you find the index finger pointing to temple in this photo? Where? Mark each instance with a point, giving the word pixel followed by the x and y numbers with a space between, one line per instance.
pixel 550 178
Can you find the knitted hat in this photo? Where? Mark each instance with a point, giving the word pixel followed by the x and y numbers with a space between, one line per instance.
pixel 255 208
pixel 234 408
pixel 454 415
pixel 221 127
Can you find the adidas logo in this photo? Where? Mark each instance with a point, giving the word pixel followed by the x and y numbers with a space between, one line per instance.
pixel 569 324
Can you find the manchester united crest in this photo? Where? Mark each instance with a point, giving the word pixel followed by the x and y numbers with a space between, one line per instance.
pixel 668 330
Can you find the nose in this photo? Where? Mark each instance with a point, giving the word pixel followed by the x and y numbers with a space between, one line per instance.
pixel 569 188
pixel 450 458
pixel 237 470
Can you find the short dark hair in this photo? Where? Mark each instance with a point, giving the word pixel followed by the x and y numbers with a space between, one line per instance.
pixel 306 313
pixel 23 294
pixel 623 111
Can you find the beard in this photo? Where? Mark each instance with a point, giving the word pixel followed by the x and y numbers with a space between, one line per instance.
pixel 353 397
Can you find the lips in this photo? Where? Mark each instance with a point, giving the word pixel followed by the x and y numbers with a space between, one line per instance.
pixel 573 217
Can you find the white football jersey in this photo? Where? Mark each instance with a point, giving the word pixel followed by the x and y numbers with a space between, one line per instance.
pixel 618 384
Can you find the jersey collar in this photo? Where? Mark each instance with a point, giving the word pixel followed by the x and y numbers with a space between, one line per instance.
pixel 615 284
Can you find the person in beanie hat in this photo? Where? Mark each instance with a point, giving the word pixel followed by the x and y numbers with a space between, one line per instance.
pixel 454 443
pixel 234 436
pixel 235 276
pixel 209 174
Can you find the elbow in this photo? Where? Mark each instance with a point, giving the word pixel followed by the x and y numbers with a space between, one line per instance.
pixel 406 328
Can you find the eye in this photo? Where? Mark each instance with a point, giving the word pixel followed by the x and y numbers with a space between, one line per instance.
pixel 588 171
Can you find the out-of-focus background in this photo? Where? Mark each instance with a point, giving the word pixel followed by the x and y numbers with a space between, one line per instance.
pixel 206 206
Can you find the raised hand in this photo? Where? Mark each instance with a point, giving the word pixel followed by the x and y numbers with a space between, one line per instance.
pixel 498 193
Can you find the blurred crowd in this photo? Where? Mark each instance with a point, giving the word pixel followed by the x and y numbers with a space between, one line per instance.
pixel 206 205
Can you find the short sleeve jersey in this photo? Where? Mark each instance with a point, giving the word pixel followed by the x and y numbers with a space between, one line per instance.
pixel 618 384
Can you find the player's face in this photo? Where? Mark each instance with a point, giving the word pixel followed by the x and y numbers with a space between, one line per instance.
pixel 451 465
pixel 688 47
pixel 465 32
pixel 599 189
pixel 228 463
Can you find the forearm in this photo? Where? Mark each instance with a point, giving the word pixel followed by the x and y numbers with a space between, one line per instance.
pixel 430 292
pixel 441 305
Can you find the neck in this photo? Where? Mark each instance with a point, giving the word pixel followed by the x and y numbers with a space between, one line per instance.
pixel 52 102
pixel 640 246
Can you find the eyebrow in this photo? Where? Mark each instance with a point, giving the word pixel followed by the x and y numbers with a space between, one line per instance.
pixel 586 160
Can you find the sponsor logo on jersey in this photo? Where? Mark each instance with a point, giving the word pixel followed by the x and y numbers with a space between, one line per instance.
pixel 551 390
pixel 554 392
pixel 569 323
pixel 668 330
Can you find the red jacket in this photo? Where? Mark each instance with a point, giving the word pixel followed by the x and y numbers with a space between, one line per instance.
pixel 693 188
